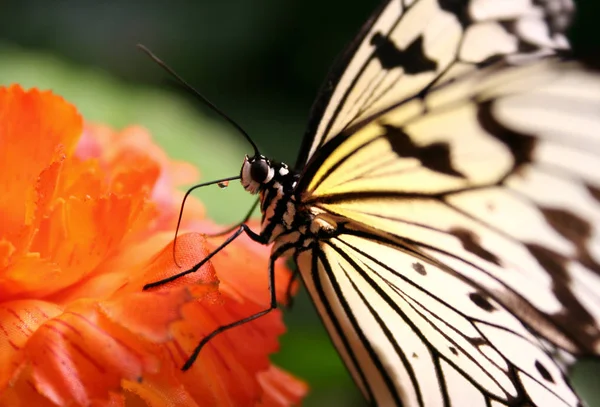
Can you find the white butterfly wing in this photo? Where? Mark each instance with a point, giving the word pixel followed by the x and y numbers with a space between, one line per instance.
pixel 491 184
pixel 413 333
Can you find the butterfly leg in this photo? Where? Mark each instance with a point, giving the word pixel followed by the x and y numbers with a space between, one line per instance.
pixel 223 328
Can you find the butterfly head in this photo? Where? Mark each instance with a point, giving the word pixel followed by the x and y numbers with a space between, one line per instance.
pixel 257 171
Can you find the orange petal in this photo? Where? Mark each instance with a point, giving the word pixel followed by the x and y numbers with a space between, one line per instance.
pixel 281 388
pixel 231 381
pixel 29 276
pixel 118 150
pixel 80 356
pixel 148 314
pixel 6 251
pixel 79 234
pixel 133 172
pixel 46 187
pixel 160 391
pixel 40 127
pixel 92 226
pixel 18 321
pixel 191 248
pixel 86 351
pixel 145 262
pixel 233 357
pixel 23 393
pixel 114 400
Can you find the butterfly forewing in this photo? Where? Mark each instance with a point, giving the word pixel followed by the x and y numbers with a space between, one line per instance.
pixel 408 46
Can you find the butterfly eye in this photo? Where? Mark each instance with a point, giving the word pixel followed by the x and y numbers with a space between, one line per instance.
pixel 259 170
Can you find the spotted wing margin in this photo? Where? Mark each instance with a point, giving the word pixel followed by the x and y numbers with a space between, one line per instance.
pixel 408 45
pixel 413 332
pixel 496 178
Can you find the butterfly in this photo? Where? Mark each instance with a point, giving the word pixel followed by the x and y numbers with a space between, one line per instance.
pixel 444 210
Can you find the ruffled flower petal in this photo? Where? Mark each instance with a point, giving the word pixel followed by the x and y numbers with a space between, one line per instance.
pixel 89 216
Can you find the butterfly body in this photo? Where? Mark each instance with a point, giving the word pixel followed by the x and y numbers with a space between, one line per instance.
pixel 286 220
pixel 274 183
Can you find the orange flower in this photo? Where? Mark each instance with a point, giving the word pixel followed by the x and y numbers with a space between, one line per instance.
pixel 87 219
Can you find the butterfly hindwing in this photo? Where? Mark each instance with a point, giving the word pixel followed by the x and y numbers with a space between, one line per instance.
pixel 415 333
pixel 409 45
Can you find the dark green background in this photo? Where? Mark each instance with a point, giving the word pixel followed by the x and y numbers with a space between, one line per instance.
pixel 261 61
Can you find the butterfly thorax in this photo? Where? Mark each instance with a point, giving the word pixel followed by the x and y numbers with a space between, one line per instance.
pixel 275 183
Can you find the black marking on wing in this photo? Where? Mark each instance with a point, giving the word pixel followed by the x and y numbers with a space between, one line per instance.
pixel 543 372
pixel 520 145
pixel 435 157
pixel 586 259
pixel 432 348
pixel 482 302
pixel 412 59
pixel 573 228
pixel 574 323
pixel 574 320
pixel 470 242
pixel 594 192
pixel 443 384
pixel 419 268
pixel 477 342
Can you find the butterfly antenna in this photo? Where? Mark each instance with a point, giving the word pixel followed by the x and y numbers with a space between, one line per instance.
pixel 187 193
pixel 199 96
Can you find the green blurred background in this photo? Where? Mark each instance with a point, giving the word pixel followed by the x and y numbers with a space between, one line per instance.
pixel 261 61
